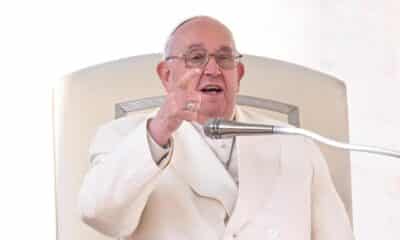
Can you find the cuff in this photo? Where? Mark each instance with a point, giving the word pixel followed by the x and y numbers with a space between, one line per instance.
pixel 158 152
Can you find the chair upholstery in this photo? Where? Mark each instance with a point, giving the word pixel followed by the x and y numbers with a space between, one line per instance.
pixel 86 99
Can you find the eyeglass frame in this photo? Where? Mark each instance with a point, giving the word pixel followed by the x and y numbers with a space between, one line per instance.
pixel 209 55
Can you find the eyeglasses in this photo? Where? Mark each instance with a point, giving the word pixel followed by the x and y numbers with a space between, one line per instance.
pixel 198 58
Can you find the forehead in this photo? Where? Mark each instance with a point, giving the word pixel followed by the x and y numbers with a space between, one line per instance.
pixel 207 34
pixel 200 46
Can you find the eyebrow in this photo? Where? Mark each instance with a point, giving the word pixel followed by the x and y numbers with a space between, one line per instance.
pixel 195 45
pixel 200 45
pixel 225 48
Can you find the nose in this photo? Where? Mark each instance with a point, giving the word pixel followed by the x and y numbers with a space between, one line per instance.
pixel 212 68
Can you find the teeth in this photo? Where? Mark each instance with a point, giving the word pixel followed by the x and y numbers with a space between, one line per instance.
pixel 211 88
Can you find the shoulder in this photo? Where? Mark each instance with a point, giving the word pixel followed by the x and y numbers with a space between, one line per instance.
pixel 303 146
pixel 260 116
pixel 122 126
pixel 112 132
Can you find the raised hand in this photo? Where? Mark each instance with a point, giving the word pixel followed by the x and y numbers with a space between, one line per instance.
pixel 181 103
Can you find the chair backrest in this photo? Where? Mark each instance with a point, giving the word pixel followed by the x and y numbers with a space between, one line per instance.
pixel 88 98
pixel 290 112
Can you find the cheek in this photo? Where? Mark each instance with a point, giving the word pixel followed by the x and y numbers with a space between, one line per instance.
pixel 173 80
pixel 231 93
pixel 176 72
pixel 232 85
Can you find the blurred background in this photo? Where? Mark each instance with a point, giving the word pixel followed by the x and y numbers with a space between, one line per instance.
pixel 357 41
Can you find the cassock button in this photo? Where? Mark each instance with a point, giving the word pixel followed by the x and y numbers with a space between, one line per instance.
pixel 273 234
pixel 234 235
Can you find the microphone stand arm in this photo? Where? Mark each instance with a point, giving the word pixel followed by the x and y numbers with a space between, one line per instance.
pixel 219 128
pixel 330 142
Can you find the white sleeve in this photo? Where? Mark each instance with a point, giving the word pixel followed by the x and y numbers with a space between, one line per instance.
pixel 122 176
pixel 329 216
pixel 158 152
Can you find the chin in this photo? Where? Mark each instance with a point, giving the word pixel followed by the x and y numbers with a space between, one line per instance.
pixel 213 110
pixel 205 116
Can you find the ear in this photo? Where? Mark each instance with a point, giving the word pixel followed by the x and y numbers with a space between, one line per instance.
pixel 240 69
pixel 163 73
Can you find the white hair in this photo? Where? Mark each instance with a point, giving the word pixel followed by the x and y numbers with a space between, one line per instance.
pixel 168 44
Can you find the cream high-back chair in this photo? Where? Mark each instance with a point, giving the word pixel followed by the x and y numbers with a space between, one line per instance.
pixel 95 95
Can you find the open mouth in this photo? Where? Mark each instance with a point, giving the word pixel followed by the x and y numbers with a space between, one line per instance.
pixel 211 89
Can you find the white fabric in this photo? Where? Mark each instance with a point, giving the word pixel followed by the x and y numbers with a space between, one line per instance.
pixel 285 190
pixel 222 149
pixel 158 152
pixel 85 100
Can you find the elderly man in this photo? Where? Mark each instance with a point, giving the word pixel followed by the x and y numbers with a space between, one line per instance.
pixel 158 177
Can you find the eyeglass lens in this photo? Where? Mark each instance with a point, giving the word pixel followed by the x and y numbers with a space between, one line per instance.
pixel 200 57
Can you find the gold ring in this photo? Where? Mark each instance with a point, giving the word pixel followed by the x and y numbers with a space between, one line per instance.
pixel 190 106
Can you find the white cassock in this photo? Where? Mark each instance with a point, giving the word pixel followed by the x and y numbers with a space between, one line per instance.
pixel 284 192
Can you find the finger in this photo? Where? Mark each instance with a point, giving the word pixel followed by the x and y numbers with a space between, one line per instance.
pixel 191 106
pixel 188 115
pixel 189 80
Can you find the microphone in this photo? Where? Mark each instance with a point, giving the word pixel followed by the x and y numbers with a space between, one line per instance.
pixel 219 128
